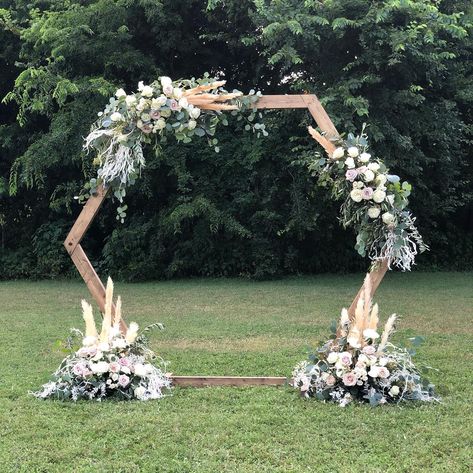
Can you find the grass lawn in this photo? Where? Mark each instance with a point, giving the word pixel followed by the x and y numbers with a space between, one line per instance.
pixel 237 327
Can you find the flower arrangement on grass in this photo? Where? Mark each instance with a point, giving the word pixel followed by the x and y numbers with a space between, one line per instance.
pixel 374 202
pixel 183 109
pixel 110 364
pixel 358 363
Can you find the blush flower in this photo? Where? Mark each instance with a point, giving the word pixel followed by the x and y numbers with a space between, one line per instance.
pixel 367 193
pixel 123 380
pixel 345 358
pixel 369 350
pixel 349 379
pixel 174 105
pixel 351 174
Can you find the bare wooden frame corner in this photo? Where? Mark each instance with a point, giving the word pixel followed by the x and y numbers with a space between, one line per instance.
pixel 92 207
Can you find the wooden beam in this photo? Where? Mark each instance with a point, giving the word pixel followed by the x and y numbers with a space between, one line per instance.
pixel 85 218
pixel 202 381
pixel 281 101
pixel 320 116
pixel 93 282
pixel 377 274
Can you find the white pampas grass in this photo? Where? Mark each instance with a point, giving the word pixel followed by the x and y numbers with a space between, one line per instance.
pixel 118 313
pixel 388 330
pixel 344 323
pixel 88 315
pixel 132 332
pixel 107 316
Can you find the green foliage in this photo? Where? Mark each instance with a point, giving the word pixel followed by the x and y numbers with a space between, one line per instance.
pixel 403 66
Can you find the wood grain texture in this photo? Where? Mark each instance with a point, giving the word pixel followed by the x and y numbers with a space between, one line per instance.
pixel 377 274
pixel 202 381
pixel 85 218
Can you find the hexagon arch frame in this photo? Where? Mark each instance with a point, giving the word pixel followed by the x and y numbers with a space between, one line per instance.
pixel 92 207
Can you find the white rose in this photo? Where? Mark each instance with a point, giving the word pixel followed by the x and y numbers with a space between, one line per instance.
pixel 379 196
pixel 119 343
pixel 350 163
pixel 192 124
pixel 383 361
pixel 373 212
pixel 195 113
pixel 168 89
pixel 353 151
pixel 381 179
pixel 356 195
pixel 338 153
pixel 364 359
pixel 142 104
pixel 147 91
pixel 369 175
pixel 149 368
pixel 166 81
pixel 104 346
pixel 158 103
pixel 140 370
pixel 120 93
pixel 364 157
pixel 140 85
pixel 394 391
pixel 100 367
pixel 388 218
pixel 374 372
pixel 130 100
pixel 116 117
pixel 125 369
pixel 332 357
pixel 374 167
pixel 183 102
pixel 177 92
pixel 140 391
pixel 160 124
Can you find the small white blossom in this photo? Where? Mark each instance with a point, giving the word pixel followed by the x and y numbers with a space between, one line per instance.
pixel 353 151
pixel 350 163
pixel 388 218
pixel 379 196
pixel 364 157
pixel 374 167
pixel 356 195
pixel 373 212
pixel 338 153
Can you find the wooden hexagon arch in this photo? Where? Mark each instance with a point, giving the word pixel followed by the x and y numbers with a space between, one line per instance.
pixel 92 206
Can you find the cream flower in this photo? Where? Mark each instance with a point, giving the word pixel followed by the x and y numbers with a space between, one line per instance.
pixel 379 196
pixel 195 113
pixel 373 167
pixel 147 91
pixel 356 195
pixel 364 157
pixel 332 357
pixel 394 391
pixel 192 124
pixel 381 179
pixel 116 117
pixel 353 151
pixel 120 93
pixel 177 92
pixel 373 212
pixel 350 163
pixel 388 218
pixel 140 370
pixel 130 100
pixel 158 102
pixel 183 102
pixel 338 153
pixel 368 175
pixel 160 124
pixel 165 81
pixel 100 367
pixel 140 392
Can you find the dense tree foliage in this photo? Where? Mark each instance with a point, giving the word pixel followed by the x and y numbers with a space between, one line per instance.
pixel 403 66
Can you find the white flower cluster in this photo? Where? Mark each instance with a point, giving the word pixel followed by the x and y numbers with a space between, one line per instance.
pixel 368 181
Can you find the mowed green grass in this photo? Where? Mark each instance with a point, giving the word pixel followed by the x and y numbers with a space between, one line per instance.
pixel 236 327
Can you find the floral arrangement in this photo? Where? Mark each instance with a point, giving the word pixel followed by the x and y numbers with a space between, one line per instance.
pixel 183 109
pixel 111 364
pixel 374 202
pixel 358 363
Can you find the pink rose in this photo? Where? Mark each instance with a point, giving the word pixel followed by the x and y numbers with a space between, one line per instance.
pixel 124 362
pixel 362 169
pixel 367 193
pixel 78 369
pixel 345 358
pixel 168 89
pixel 146 129
pixel 369 350
pixel 154 114
pixel 351 174
pixel 383 372
pixel 114 367
pixel 349 379
pixel 330 381
pixel 174 105
pixel 123 380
